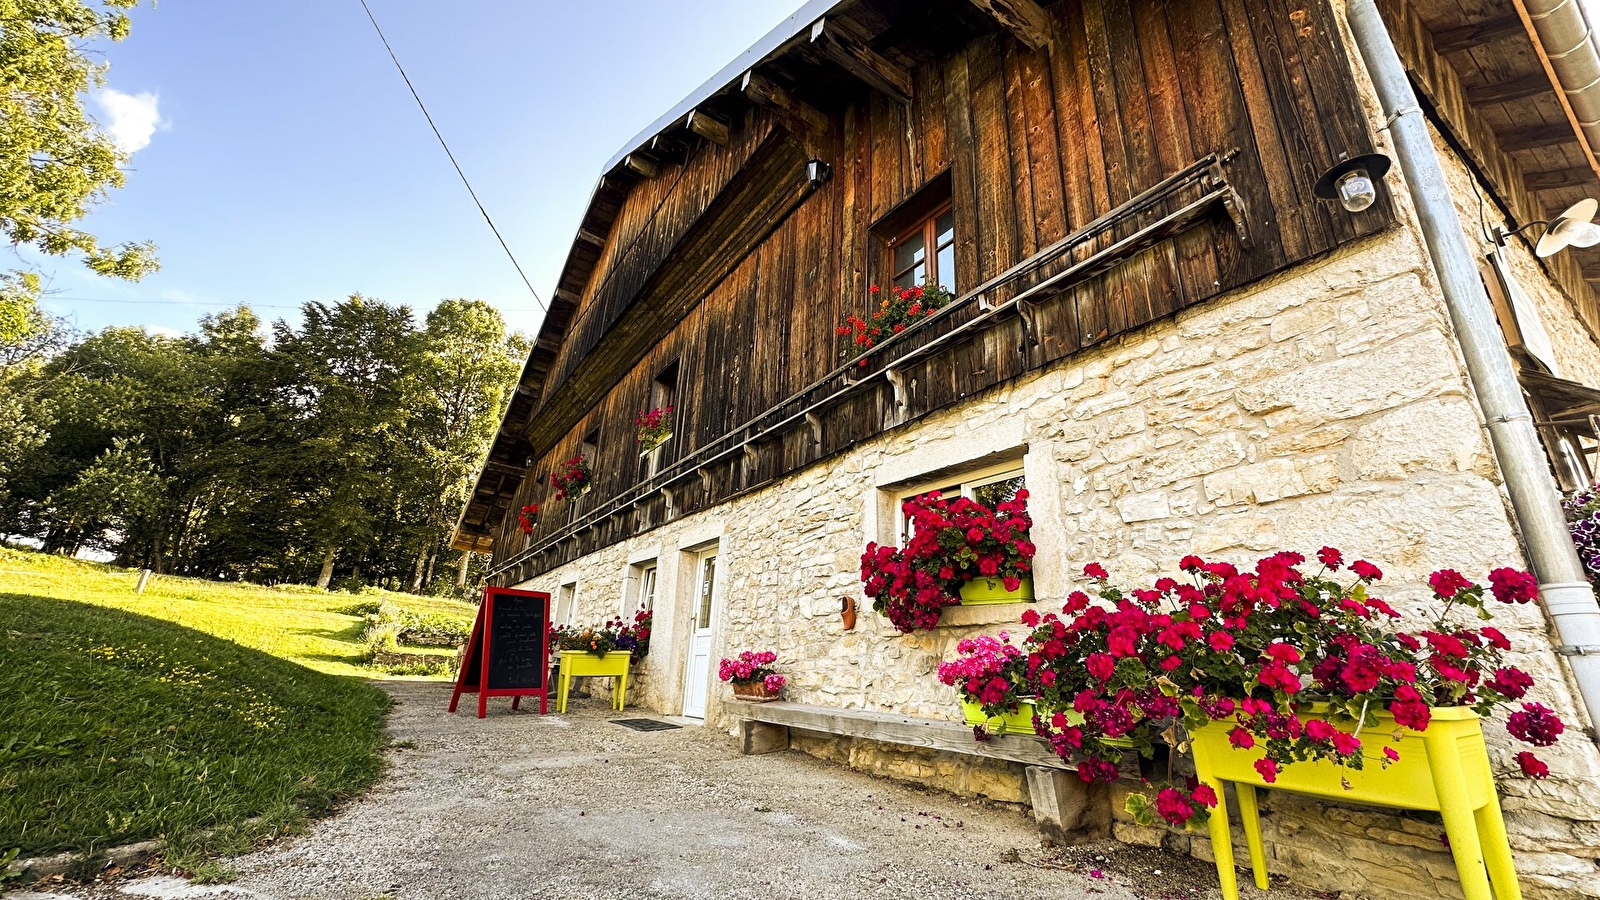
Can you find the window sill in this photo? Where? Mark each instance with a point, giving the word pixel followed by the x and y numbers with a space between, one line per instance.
pixel 984 614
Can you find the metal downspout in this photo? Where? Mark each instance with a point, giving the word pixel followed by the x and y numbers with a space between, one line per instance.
pixel 1534 496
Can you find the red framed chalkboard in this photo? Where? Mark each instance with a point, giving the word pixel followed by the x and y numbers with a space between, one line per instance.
pixel 508 654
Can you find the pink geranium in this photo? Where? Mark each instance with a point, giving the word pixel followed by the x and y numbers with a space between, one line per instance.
pixel 748 667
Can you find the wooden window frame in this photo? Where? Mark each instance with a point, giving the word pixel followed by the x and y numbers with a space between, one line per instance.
pixel 964 482
pixel 641 583
pixel 917 214
pixel 928 230
pixel 663 392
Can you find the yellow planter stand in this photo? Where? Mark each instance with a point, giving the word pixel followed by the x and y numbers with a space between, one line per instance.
pixel 1444 769
pixel 578 664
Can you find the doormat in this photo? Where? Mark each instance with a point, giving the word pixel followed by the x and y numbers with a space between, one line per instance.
pixel 645 724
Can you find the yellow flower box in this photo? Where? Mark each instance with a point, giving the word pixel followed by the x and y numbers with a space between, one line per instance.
pixel 979 591
pixel 1444 769
pixel 578 664
pixel 1019 722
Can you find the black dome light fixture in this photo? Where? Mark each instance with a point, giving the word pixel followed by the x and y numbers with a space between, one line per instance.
pixel 1353 181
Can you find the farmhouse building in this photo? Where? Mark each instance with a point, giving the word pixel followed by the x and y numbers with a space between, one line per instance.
pixel 1159 329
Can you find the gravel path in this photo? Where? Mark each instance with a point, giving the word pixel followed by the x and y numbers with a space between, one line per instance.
pixel 523 806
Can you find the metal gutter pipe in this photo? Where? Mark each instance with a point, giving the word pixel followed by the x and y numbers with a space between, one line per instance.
pixel 1534 496
pixel 1567 45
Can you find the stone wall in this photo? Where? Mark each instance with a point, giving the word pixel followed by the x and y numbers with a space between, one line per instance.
pixel 1327 406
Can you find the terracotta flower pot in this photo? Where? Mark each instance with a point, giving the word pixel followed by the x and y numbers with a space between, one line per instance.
pixel 754 691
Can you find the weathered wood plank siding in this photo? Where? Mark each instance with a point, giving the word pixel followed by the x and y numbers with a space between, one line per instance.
pixel 1035 144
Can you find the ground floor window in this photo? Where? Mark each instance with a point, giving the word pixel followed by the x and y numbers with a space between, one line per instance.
pixel 639 594
pixel 990 486
pixel 566 603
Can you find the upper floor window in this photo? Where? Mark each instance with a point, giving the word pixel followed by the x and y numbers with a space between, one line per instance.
pixel 918 239
pixel 663 402
pixel 925 252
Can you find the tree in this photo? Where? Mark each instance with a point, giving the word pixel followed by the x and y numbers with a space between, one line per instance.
pixel 349 441
pixel 458 389
pixel 347 360
pixel 54 162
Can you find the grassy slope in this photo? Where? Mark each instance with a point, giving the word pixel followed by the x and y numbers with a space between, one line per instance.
pixel 195 707
pixel 294 622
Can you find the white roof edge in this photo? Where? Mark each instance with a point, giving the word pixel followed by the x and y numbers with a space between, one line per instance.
pixel 797 22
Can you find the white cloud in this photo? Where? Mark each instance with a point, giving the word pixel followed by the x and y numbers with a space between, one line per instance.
pixel 134 118
pixel 161 331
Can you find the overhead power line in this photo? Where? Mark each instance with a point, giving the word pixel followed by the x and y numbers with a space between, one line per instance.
pixel 422 106
pixel 55 298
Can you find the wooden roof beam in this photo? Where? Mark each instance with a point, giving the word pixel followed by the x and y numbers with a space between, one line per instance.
pixel 1539 136
pixel 669 147
pixel 1465 37
pixel 589 237
pixel 641 165
pixel 709 127
pixel 865 63
pixel 1512 89
pixel 1025 19
pixel 801 117
pixel 1554 179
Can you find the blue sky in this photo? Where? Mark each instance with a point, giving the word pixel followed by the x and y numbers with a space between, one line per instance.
pixel 290 164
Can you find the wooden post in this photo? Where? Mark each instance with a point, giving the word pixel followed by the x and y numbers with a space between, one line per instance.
pixel 461 572
pixel 760 737
pixel 144 579
pixel 1065 807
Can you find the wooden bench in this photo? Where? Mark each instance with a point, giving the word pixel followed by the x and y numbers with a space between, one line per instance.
pixel 1063 805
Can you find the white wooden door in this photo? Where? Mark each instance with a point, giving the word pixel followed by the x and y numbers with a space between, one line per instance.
pixel 697 678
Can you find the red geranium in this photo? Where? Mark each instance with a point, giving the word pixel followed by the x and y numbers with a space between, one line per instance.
pixel 949 543
pixel 571 477
pixel 1531 765
pixel 1254 649
pixel 893 314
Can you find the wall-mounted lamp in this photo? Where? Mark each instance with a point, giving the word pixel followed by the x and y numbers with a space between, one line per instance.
pixel 1573 228
pixel 817 172
pixel 1354 182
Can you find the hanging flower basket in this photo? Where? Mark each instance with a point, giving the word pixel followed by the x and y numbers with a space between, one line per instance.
pixel 980 591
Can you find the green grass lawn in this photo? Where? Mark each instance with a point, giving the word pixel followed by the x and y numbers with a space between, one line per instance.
pixel 206 714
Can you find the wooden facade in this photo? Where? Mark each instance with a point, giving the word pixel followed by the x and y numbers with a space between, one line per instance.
pixel 1147 156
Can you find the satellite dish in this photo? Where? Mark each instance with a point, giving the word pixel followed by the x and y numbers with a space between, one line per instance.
pixel 1573 228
